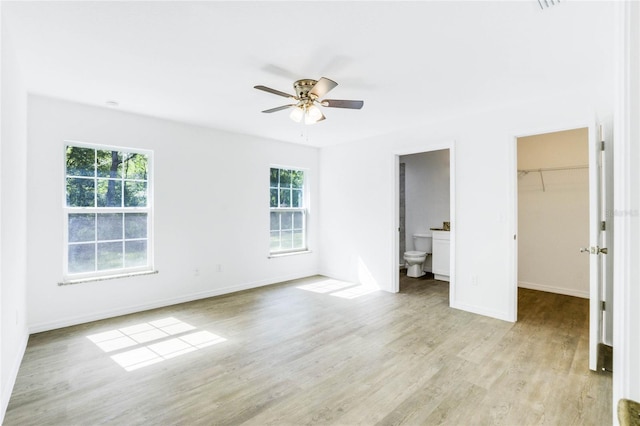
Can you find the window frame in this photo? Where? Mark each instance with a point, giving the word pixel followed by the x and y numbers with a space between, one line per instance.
pixel 96 275
pixel 304 209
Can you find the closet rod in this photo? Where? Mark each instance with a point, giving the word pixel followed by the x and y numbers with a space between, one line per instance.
pixel 523 172
pixel 552 169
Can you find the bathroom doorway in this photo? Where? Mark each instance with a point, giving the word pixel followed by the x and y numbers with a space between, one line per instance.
pixel 425 206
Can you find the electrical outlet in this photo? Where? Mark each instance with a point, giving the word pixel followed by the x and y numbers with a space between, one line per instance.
pixel 218 268
pixel 474 280
pixel 196 272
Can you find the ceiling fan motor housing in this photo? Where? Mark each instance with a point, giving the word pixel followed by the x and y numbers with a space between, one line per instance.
pixel 302 88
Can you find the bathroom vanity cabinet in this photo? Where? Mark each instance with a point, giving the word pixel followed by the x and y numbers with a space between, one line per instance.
pixel 441 255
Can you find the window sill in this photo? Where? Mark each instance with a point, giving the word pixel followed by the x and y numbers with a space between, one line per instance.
pixel 289 253
pixel 106 277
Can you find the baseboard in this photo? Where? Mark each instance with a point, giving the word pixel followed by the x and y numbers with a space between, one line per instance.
pixel 481 311
pixel 552 289
pixel 7 390
pixel 67 322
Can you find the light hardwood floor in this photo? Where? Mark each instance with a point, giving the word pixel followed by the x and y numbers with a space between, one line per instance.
pixel 292 356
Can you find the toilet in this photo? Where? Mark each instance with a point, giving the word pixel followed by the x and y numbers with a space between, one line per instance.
pixel 414 260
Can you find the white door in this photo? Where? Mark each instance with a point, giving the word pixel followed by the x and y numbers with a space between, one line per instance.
pixel 606 213
pixel 598 250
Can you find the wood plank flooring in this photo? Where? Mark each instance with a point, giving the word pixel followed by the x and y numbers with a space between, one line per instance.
pixel 320 354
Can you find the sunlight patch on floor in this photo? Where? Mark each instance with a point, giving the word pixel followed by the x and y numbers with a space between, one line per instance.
pixel 152 342
pixel 337 288
pixel 353 292
pixel 325 286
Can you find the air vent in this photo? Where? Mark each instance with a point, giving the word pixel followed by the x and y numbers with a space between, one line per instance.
pixel 547 3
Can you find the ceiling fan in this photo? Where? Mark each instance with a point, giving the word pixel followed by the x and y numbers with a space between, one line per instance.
pixel 308 95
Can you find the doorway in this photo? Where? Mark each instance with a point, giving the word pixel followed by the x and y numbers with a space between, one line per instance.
pixel 553 212
pixel 425 204
pixel 562 187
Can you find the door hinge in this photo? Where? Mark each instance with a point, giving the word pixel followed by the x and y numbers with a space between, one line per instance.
pixel 602 305
pixel 603 226
pixel 601 145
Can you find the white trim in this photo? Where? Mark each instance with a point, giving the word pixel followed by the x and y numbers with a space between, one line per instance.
pixel 512 227
pixel 288 253
pixel 504 316
pixel 10 380
pixel 595 260
pixel 553 289
pixel 625 157
pixel 453 295
pixel 106 277
pixel 105 147
pixel 160 303
pixel 395 229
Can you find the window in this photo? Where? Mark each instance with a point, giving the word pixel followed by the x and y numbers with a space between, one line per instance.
pixel 107 211
pixel 288 211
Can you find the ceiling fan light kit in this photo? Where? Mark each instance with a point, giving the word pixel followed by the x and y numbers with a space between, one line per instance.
pixel 308 94
pixel 296 114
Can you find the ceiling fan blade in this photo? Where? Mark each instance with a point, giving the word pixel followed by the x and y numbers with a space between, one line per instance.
pixel 274 91
pixel 322 87
pixel 280 108
pixel 341 103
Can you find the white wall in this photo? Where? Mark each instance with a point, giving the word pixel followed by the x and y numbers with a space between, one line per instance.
pixel 211 208
pixel 358 220
pixel 13 210
pixel 427 195
pixel 553 222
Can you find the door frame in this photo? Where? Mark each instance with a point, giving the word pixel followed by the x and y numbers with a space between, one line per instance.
pixel 426 147
pixel 594 290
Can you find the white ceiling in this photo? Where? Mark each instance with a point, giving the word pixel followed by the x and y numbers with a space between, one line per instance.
pixel 411 62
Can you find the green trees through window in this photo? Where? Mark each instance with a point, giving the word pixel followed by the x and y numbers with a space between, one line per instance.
pixel 100 178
